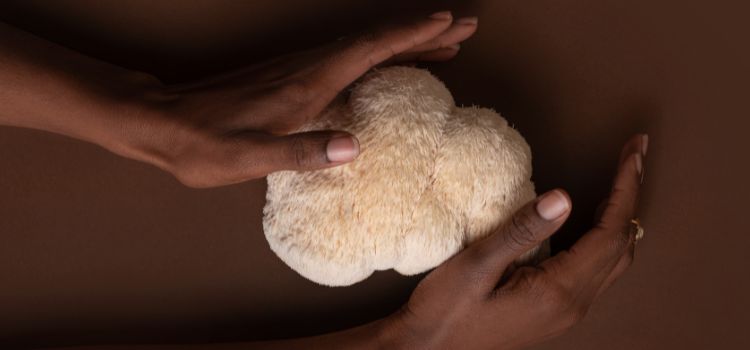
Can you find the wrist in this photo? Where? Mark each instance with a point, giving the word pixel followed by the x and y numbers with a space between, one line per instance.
pixel 47 87
pixel 141 126
pixel 393 333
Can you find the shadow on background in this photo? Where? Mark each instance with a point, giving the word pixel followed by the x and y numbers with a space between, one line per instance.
pixel 247 38
pixel 494 70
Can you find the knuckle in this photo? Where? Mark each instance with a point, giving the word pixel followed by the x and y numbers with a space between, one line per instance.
pixel 470 264
pixel 561 303
pixel 479 274
pixel 298 92
pixel 618 191
pixel 375 46
pixel 554 298
pixel 522 230
pixel 623 238
pixel 527 281
pixel 299 151
pixel 573 316
pixel 366 42
pixel 413 33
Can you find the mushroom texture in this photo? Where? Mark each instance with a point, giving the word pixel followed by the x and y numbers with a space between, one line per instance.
pixel 430 179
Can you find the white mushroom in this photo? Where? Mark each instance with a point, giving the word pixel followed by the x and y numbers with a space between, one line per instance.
pixel 430 179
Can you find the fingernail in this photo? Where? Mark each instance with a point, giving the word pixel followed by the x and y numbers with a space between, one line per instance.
pixel 467 20
pixel 442 15
pixel 342 149
pixel 552 205
pixel 644 144
pixel 639 163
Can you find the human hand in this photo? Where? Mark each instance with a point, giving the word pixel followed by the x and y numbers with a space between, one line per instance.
pixel 468 303
pixel 235 127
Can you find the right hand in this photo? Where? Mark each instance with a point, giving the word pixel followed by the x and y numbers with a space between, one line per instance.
pixel 464 304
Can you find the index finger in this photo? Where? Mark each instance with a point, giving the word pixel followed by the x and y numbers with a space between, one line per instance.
pixel 586 265
pixel 364 52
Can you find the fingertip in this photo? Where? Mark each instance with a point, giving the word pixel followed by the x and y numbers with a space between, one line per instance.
pixel 472 21
pixel 364 52
pixel 341 149
pixel 565 194
pixel 634 161
pixel 553 205
pixel 639 163
pixel 443 54
pixel 632 145
pixel 442 16
pixel 567 199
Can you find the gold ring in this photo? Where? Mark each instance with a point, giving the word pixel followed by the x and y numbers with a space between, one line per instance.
pixel 637 228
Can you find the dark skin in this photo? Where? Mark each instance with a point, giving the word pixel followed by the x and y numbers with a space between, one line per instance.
pixel 239 126
pixel 222 130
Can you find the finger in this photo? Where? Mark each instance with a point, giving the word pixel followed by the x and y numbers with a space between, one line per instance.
pixel 586 265
pixel 487 259
pixel 600 210
pixel 625 261
pixel 262 154
pixel 460 30
pixel 639 143
pixel 624 194
pixel 442 54
pixel 363 53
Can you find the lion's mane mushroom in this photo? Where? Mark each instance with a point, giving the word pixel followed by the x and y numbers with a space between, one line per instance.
pixel 430 179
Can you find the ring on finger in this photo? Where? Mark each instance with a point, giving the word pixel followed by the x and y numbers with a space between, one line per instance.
pixel 636 229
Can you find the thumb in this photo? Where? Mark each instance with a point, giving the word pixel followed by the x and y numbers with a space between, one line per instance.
pixel 303 151
pixel 525 230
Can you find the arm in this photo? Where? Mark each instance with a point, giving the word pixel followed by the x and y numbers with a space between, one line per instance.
pixel 372 336
pixel 467 303
pixel 222 130
pixel 47 87
pixel 185 129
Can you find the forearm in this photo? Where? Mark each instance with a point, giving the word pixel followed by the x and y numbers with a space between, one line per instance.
pixel 380 334
pixel 47 87
pixel 376 335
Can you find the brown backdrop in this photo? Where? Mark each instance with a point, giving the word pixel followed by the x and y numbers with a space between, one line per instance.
pixel 99 249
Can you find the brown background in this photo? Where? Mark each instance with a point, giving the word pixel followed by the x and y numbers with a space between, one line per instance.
pixel 99 249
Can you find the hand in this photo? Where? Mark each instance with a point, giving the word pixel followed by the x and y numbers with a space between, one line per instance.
pixel 466 303
pixel 235 127
pixel 218 131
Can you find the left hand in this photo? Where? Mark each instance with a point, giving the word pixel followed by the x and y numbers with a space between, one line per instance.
pixel 235 127
pixel 466 304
